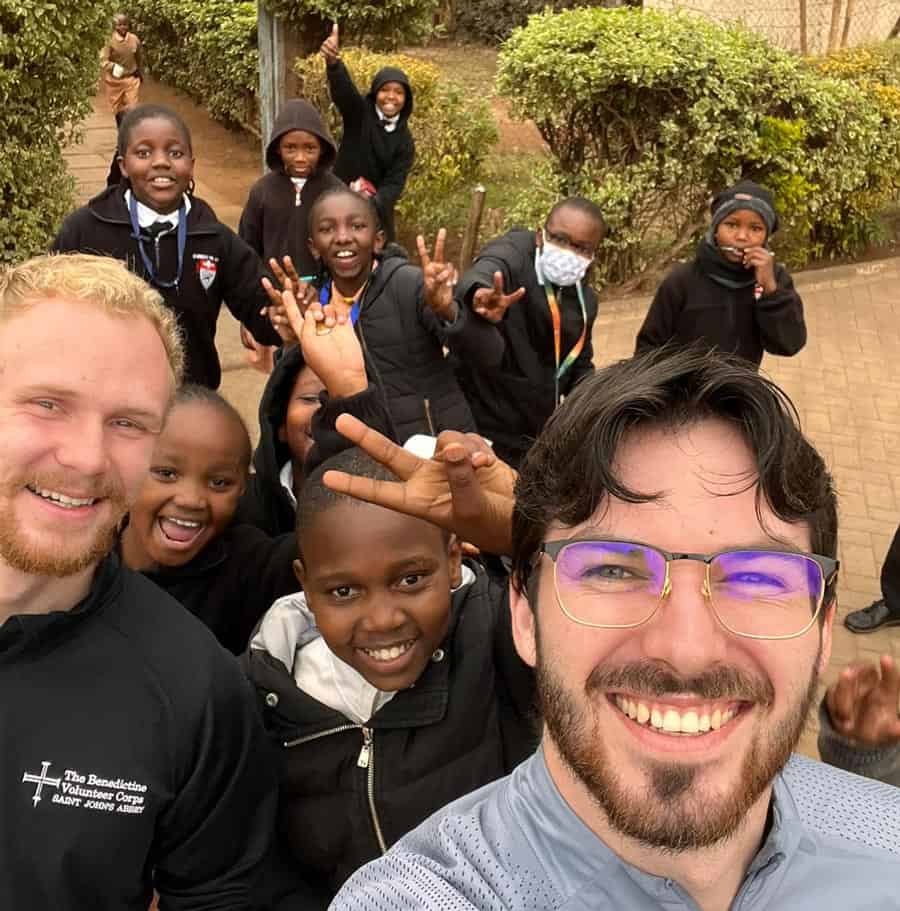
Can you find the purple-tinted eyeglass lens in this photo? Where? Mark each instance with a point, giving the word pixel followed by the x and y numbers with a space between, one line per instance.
pixel 613 567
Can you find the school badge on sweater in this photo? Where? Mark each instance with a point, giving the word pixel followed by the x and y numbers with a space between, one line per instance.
pixel 207 266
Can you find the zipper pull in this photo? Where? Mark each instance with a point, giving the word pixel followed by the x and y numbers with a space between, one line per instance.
pixel 362 760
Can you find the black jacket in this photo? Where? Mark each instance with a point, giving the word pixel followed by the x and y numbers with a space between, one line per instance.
pixel 272 222
pixel 156 770
pixel 214 255
pixel 265 502
pixel 467 721
pixel 512 388
pixel 689 306
pixel 233 581
pixel 367 149
pixel 403 341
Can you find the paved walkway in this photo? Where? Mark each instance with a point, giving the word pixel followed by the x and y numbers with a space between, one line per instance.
pixel 845 383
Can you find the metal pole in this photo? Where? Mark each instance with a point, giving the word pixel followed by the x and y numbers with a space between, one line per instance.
pixel 270 38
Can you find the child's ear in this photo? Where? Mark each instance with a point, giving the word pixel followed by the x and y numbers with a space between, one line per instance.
pixel 299 571
pixel 454 556
pixel 378 246
pixel 313 250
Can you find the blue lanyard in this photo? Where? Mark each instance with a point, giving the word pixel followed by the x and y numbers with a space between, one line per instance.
pixel 325 297
pixel 152 276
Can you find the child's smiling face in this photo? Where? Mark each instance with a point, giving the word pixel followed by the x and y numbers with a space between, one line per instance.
pixel 379 585
pixel 197 475
pixel 344 234
pixel 390 98
pixel 300 153
pixel 159 163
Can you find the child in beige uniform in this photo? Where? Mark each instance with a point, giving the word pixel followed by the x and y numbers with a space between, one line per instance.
pixel 120 63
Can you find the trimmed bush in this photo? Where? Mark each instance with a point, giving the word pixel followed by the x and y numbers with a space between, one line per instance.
pixel 206 49
pixel 453 133
pixel 650 113
pixel 379 23
pixel 50 56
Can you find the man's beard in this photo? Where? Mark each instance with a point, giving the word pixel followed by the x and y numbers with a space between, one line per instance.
pixel 667 815
pixel 38 558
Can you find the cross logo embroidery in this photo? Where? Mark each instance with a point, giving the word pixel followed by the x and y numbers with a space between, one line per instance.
pixel 40 781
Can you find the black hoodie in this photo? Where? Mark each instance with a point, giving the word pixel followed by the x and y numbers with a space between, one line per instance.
pixel 218 268
pixel 367 149
pixel 265 503
pixel 274 221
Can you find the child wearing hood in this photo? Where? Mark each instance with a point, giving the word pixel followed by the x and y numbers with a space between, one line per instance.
pixel 300 156
pixel 377 151
pixel 733 295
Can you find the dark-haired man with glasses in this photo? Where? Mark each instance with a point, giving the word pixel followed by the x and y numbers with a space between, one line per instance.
pixel 673 539
pixel 533 287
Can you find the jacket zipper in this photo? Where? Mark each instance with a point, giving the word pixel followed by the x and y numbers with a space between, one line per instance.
pixel 366 760
pixel 428 417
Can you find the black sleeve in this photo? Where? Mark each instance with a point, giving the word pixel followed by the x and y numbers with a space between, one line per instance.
pixel 662 317
pixel 471 337
pixel 68 240
pixel 516 689
pixel 242 289
pixel 779 318
pixel 391 185
pixel 250 226
pixel 213 836
pixel 344 93
pixel 369 406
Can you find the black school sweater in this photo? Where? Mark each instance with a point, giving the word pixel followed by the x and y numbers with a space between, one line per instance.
pixel 466 722
pixel 156 770
pixel 367 149
pixel 690 307
pixel 510 382
pixel 218 268
pixel 233 581
pixel 272 223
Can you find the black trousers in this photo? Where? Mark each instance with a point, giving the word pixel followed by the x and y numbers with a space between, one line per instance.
pixel 890 575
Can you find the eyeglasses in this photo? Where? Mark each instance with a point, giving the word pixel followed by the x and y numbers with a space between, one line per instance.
pixel 757 594
pixel 563 240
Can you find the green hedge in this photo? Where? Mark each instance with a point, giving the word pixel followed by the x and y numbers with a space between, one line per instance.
pixel 650 113
pixel 453 133
pixel 206 49
pixel 379 23
pixel 50 53
pixel 493 21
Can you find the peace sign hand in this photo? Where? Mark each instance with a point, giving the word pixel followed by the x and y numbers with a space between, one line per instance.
pixel 331 46
pixel 440 278
pixel 863 704
pixel 335 356
pixel 464 488
pixel 492 303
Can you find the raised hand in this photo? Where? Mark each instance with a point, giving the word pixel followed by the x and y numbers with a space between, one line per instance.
pixel 304 296
pixel 863 704
pixel 331 46
pixel 464 488
pixel 440 278
pixel 762 262
pixel 492 303
pixel 334 356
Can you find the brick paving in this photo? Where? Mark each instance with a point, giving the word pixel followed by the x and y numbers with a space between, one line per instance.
pixel 845 384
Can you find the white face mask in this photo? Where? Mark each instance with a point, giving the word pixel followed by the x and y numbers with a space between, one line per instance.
pixel 562 267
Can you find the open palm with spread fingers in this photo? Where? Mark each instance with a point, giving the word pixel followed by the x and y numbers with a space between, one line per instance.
pixel 492 303
pixel 304 295
pixel 464 488
pixel 863 704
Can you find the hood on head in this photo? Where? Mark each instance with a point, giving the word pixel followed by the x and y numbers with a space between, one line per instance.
pixel 299 114
pixel 272 453
pixel 393 74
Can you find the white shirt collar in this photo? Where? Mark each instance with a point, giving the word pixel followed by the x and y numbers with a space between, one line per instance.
pixel 147 216
pixel 537 265
pixel 286 476
pixel 389 123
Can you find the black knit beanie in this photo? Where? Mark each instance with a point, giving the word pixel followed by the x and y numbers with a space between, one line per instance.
pixel 745 195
